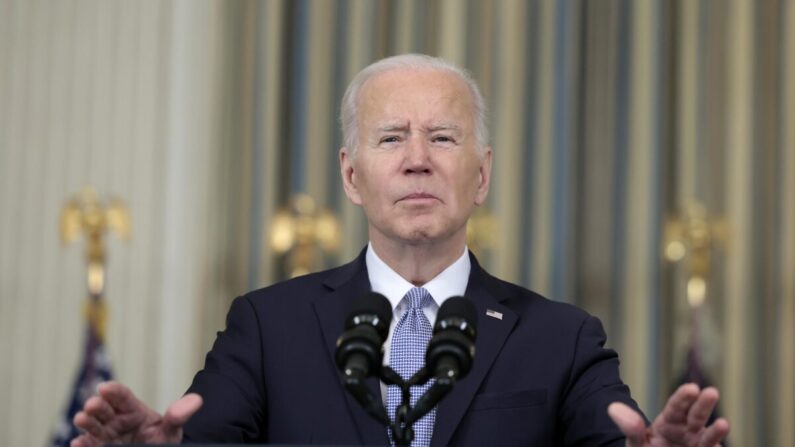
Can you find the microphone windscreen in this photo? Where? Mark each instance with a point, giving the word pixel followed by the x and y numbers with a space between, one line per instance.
pixel 458 307
pixel 372 302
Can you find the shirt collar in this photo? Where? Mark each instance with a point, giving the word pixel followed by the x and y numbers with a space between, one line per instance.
pixel 452 281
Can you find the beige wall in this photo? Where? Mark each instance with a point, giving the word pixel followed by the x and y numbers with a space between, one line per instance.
pixel 130 97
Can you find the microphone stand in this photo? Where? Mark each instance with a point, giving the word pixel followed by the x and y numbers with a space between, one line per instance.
pixel 402 431
pixel 405 416
pixel 355 384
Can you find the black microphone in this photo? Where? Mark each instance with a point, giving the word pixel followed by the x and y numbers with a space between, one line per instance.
pixel 452 348
pixel 359 348
pixel 449 355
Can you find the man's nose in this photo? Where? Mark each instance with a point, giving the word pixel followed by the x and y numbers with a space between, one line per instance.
pixel 417 156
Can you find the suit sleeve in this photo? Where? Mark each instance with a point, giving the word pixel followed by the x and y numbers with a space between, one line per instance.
pixel 231 383
pixel 593 384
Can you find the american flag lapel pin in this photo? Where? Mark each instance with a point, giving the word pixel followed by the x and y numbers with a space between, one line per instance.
pixel 494 314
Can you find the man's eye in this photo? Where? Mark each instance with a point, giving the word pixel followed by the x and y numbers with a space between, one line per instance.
pixel 390 139
pixel 442 139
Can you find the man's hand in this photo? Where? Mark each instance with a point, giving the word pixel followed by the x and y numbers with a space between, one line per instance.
pixel 116 416
pixel 681 423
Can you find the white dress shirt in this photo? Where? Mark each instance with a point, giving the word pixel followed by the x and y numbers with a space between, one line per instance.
pixel 452 281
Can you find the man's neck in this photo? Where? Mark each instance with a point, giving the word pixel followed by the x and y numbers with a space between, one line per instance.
pixel 418 263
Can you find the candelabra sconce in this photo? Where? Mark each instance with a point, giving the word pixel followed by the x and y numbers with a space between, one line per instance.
pixel 304 232
pixel 690 238
pixel 481 232
pixel 86 214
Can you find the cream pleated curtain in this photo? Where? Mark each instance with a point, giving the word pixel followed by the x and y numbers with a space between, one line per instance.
pixel 607 118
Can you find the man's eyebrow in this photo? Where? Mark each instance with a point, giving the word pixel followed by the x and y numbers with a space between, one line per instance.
pixel 393 128
pixel 444 126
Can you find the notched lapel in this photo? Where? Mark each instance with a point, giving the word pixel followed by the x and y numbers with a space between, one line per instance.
pixel 331 311
pixel 491 336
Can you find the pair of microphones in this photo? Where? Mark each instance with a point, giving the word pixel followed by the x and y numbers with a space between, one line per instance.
pixel 448 358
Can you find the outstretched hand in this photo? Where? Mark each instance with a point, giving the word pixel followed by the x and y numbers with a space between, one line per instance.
pixel 116 416
pixel 681 423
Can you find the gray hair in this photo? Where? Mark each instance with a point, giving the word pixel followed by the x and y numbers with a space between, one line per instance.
pixel 350 102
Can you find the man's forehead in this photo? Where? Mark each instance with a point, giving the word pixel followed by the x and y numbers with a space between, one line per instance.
pixel 437 99
pixel 396 81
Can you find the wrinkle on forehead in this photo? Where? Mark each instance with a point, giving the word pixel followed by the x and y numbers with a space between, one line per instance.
pixel 435 100
pixel 449 88
pixel 443 126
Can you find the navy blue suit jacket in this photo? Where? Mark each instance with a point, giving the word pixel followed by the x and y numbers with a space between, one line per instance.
pixel 541 375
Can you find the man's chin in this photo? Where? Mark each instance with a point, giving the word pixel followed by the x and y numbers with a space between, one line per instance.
pixel 416 236
pixel 415 232
pixel 424 236
pixel 419 239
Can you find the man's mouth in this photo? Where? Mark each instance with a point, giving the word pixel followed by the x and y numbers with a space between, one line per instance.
pixel 418 197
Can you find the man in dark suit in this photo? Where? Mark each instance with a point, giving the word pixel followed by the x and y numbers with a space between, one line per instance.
pixel 416 159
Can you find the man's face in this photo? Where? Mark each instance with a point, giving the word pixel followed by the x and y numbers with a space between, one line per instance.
pixel 417 172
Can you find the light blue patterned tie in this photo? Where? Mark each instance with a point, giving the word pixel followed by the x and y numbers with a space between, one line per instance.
pixel 407 356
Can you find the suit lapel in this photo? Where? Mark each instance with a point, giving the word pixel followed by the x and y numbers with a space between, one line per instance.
pixel 331 310
pixel 492 334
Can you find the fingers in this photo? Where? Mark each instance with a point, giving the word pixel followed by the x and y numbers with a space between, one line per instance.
pixel 699 414
pixel 670 431
pixel 96 415
pixel 92 419
pixel 629 422
pixel 715 433
pixel 671 424
pixel 678 405
pixel 112 414
pixel 701 410
pixel 180 411
pixel 99 408
pixel 91 426
pixel 119 397
pixel 85 441
pixel 178 414
pixel 685 415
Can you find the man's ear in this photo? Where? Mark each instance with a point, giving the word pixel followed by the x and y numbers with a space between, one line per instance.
pixel 349 176
pixel 484 177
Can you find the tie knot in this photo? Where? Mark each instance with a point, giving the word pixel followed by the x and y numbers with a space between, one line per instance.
pixel 418 298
